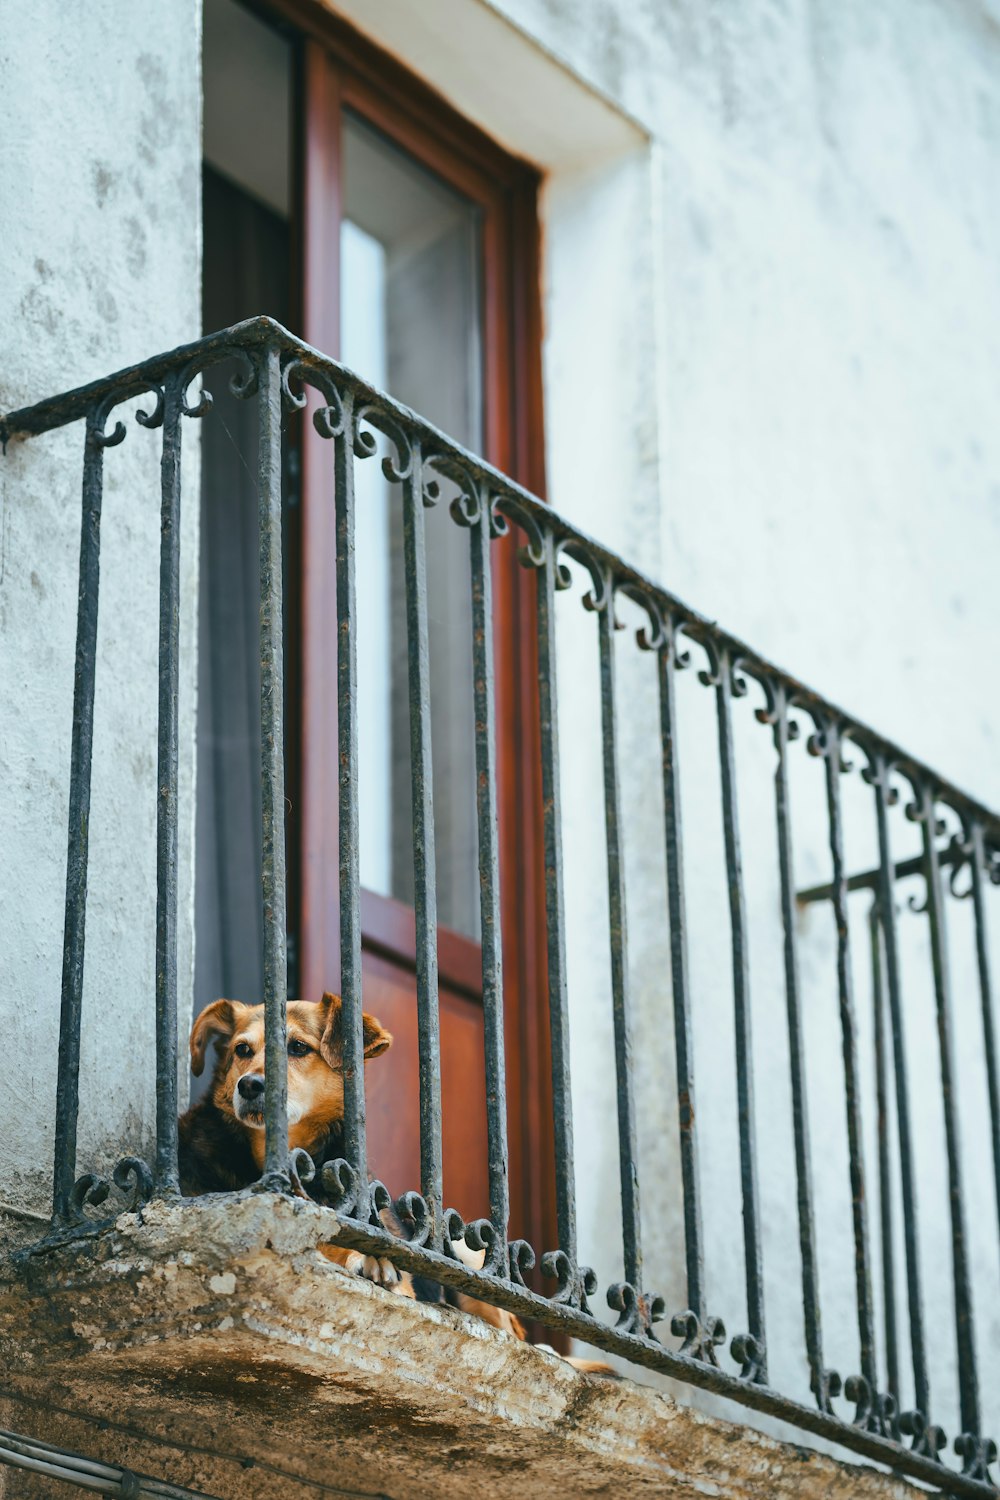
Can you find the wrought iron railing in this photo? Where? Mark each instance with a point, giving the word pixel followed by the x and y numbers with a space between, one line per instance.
pixel 958 835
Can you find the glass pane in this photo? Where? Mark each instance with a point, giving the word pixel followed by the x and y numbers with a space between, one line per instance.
pixel 410 323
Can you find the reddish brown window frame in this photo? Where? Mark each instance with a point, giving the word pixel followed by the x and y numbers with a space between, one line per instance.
pixel 338 68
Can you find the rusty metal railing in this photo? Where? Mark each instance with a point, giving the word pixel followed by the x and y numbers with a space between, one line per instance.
pixel 273 368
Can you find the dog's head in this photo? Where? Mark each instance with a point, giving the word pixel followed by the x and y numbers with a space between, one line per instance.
pixel 315 1061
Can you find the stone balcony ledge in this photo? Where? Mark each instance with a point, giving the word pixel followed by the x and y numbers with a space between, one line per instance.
pixel 209 1344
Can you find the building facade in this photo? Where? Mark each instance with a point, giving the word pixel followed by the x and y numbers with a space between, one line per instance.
pixel 759 298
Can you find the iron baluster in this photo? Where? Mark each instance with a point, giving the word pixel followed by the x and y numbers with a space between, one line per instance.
pixel 165 1174
pixel 828 741
pixel 272 772
pixel 627 1151
pixel 480 529
pixel 721 678
pixel 131 1175
pixel 924 812
pixel 555 914
pixel 825 1383
pixel 355 1145
pixel 68 1076
pixel 877 773
pixel 425 891
pixel 666 661
pixel 884 1171
pixel 977 866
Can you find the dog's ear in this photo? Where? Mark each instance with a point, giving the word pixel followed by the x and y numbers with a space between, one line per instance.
pixel 217 1019
pixel 329 1042
pixel 377 1039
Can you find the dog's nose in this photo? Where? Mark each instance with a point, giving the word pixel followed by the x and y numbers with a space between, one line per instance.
pixel 251 1086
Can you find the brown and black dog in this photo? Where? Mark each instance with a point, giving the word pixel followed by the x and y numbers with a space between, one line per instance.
pixel 222 1136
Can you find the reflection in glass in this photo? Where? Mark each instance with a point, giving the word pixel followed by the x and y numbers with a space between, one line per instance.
pixel 410 323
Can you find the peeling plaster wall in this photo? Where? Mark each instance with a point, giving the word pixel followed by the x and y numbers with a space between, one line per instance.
pixel 100 265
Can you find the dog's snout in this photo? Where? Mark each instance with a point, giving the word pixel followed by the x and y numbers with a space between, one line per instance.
pixel 251 1086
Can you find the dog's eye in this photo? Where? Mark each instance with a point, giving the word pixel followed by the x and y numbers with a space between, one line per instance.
pixel 297 1049
pixel 243 1049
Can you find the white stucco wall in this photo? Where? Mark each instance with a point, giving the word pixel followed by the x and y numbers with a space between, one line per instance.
pixel 772 342
pixel 99 267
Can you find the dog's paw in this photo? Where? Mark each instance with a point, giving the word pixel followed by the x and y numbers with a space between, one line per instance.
pixel 584 1366
pixel 370 1267
pixel 379 1270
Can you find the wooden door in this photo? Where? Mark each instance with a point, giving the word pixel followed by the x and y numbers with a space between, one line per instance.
pixel 363 115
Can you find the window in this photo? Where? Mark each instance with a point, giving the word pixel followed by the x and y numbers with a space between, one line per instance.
pixel 411 251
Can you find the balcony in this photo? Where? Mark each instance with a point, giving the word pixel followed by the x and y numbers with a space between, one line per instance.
pixel 193 1299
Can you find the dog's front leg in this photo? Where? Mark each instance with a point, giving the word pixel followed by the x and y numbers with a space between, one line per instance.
pixel 370 1267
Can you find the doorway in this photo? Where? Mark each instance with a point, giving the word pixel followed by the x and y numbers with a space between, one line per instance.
pixel 351 204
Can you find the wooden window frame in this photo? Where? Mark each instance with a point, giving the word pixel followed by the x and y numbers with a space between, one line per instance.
pixel 337 69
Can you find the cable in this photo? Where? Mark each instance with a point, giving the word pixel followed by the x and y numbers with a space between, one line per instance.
pixel 107 1479
pixel 24 1213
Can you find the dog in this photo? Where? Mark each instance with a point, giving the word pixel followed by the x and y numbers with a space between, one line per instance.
pixel 221 1137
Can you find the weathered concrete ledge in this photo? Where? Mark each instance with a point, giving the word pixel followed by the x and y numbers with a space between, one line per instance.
pixel 205 1339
